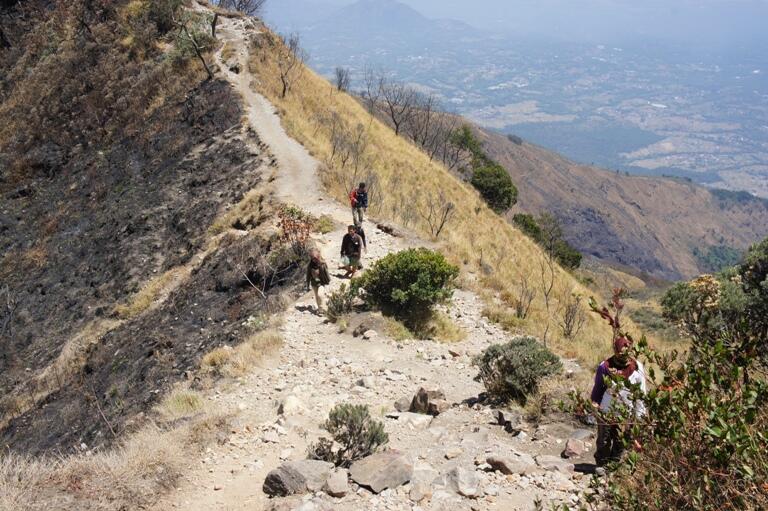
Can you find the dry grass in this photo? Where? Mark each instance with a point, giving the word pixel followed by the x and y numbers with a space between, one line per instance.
pixel 131 476
pixel 146 296
pixel 238 361
pixel 444 329
pixel 504 316
pixel 404 179
pixel 249 210
pixel 181 403
pixel 396 330
pixel 325 224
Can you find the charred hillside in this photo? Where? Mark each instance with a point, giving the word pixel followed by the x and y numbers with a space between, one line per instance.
pixel 122 170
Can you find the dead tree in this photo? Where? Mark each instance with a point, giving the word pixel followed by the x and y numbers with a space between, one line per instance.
pixel 195 39
pixel 399 101
pixel 437 213
pixel 290 62
pixel 372 92
pixel 573 316
pixel 247 7
pixel 342 79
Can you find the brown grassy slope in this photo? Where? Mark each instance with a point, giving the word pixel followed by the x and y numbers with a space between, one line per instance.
pixel 648 223
pixel 493 255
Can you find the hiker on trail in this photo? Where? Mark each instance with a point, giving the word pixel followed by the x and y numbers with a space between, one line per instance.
pixel 612 396
pixel 317 276
pixel 351 251
pixel 358 199
pixel 361 232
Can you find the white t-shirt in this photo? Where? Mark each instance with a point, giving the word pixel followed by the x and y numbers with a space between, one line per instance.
pixel 625 397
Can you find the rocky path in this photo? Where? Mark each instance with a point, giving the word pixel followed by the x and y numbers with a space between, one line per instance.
pixel 279 406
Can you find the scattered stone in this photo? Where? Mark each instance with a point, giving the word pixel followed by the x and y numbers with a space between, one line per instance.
pixel 509 420
pixel 270 437
pixel 453 452
pixel 573 448
pixel 370 334
pixel 297 477
pixel 403 404
pixel 414 420
pixel 583 434
pixel 388 469
pixel 522 464
pixel 337 484
pixel 429 400
pixel 554 464
pixel 367 381
pixel 464 482
pixel 291 405
pixel 421 483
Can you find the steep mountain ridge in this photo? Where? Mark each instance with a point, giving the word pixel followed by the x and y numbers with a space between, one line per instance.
pixel 657 225
pixel 122 172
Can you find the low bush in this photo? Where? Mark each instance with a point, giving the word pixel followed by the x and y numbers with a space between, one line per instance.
pixel 341 301
pixel 407 284
pixel 357 434
pixel 496 187
pixel 512 371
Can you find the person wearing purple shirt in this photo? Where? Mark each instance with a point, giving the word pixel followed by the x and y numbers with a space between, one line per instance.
pixel 610 396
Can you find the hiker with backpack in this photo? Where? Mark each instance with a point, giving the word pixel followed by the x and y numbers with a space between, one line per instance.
pixel 317 276
pixel 611 393
pixel 358 199
pixel 351 251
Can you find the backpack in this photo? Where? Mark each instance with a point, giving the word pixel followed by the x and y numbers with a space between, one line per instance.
pixel 353 197
pixel 324 278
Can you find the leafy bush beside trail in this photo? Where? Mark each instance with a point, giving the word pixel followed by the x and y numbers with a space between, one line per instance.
pixel 357 434
pixel 512 371
pixel 409 283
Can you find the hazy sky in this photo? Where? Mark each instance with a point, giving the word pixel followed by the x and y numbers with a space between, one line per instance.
pixel 714 22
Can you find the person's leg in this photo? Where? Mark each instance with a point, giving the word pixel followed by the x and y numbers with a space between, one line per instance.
pixel 617 443
pixel 318 298
pixel 603 448
pixel 354 215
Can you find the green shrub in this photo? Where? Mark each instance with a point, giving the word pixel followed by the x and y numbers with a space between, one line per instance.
pixel 546 231
pixel 527 224
pixel 701 443
pixel 512 371
pixel 340 302
pixel 496 187
pixel 407 284
pixel 357 434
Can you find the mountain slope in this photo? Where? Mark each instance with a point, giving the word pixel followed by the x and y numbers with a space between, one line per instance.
pixel 122 171
pixel 656 225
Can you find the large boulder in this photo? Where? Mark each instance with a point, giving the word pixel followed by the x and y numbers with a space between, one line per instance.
pixel 297 477
pixel 429 401
pixel 574 448
pixel 388 469
pixel 464 482
pixel 521 464
pixel 555 464
pixel 337 484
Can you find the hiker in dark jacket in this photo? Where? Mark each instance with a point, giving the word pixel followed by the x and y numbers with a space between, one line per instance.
pixel 351 251
pixel 358 199
pixel 361 232
pixel 317 276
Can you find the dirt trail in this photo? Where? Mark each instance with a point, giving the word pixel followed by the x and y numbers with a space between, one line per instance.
pixel 319 367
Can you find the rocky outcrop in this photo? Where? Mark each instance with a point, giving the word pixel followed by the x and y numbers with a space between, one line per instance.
pixel 388 469
pixel 297 477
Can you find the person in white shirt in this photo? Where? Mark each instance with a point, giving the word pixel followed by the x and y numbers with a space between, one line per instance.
pixel 615 396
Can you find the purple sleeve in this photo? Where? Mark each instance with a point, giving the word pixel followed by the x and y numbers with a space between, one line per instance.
pixel 599 389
